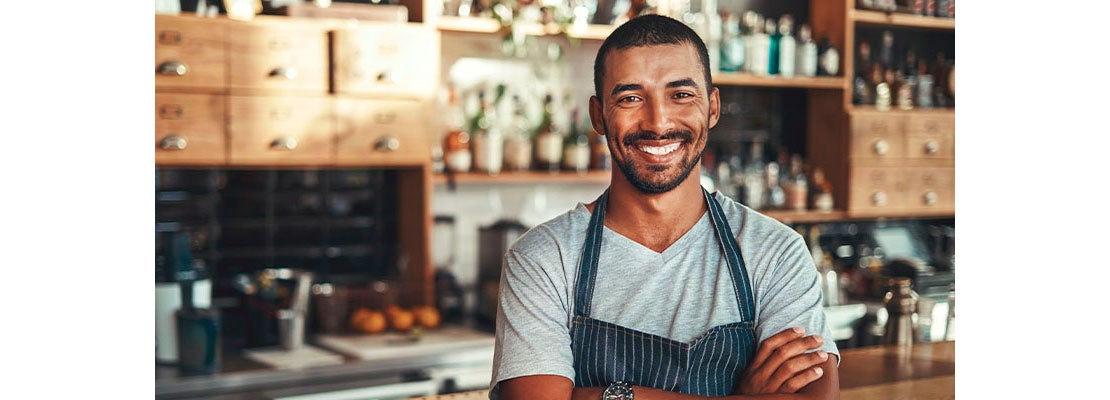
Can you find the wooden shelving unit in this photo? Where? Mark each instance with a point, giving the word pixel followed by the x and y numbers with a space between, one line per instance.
pixel 896 110
pixel 799 82
pixel 489 25
pixel 900 20
pixel 525 178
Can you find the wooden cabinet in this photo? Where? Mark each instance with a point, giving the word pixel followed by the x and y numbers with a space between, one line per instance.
pixel 189 129
pixel 278 57
pixel 385 61
pixel 381 132
pixel 189 56
pixel 281 131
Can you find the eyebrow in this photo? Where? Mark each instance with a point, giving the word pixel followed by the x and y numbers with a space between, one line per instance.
pixel 635 86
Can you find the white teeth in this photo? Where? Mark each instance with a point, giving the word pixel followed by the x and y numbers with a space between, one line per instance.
pixel 659 150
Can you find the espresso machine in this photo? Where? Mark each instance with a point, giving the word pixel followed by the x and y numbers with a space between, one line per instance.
pixel 493 241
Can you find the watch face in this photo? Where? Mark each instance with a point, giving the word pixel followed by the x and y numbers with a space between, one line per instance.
pixel 618 391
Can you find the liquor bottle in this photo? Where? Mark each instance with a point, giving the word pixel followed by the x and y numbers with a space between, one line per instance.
pixel 518 139
pixel 732 44
pixel 576 148
pixel 828 59
pixel 806 58
pixel 488 142
pixel 549 143
pixel 820 191
pixel 773 34
pixel 753 178
pixel 757 58
pixel 774 197
pixel 797 186
pixel 787 46
pixel 600 158
pixel 862 92
pixel 456 144
pixel 886 50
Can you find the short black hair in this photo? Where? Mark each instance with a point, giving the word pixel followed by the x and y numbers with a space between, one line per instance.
pixel 648 30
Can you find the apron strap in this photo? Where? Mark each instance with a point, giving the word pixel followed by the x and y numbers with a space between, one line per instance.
pixel 587 264
pixel 745 301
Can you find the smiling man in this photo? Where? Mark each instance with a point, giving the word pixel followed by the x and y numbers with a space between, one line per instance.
pixel 659 289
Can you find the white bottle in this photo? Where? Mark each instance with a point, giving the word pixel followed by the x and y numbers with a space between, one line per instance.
pixel 806 56
pixel 787 46
pixel 758 57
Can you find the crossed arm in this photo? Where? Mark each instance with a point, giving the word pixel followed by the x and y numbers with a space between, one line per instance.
pixel 781 370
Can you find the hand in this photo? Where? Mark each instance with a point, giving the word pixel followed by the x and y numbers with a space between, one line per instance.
pixel 781 365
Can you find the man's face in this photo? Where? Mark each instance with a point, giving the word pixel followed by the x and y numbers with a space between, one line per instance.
pixel 655 113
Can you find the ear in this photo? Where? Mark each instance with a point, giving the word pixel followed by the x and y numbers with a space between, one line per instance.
pixel 596 117
pixel 714 107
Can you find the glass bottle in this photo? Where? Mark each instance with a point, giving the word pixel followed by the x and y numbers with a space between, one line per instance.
pixel 797 186
pixel 600 158
pixel 757 57
pixel 886 50
pixel 820 191
pixel 862 92
pixel 732 44
pixel 788 46
pixel 549 143
pixel 828 59
pixel 806 57
pixel 456 144
pixel 775 38
pixel 774 197
pixel 753 178
pixel 576 148
pixel 488 142
pixel 518 139
pixel 900 302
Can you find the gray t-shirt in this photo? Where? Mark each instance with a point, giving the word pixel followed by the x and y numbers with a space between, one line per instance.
pixel 678 294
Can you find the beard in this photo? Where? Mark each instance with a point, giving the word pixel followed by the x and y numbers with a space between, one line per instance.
pixel 641 181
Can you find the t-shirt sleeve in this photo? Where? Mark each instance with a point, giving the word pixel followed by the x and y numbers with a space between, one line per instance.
pixel 532 333
pixel 792 297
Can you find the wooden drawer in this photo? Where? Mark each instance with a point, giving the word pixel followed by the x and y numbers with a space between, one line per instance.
pixel 189 129
pixel 277 58
pixel 931 189
pixel 930 136
pixel 381 132
pixel 189 53
pixel 268 131
pixel 386 60
pixel 876 190
pixel 877 136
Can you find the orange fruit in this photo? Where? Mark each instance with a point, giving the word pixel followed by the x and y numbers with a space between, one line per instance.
pixel 427 317
pixel 401 320
pixel 358 316
pixel 373 322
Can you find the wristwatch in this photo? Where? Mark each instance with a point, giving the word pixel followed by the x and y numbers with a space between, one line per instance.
pixel 619 390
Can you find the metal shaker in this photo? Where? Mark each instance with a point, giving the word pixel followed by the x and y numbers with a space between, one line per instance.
pixel 900 302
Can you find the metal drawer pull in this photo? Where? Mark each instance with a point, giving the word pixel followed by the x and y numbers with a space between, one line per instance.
pixel 930 198
pixel 881 147
pixel 289 73
pixel 931 147
pixel 173 142
pixel 386 77
pixel 387 144
pixel 287 143
pixel 173 68
pixel 879 199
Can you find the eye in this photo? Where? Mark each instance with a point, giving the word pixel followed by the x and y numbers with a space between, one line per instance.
pixel 683 95
pixel 628 99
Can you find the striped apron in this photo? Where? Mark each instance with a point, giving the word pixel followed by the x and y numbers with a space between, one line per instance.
pixel 707 365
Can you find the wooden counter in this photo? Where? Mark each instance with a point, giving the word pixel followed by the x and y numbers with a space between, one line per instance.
pixel 925 371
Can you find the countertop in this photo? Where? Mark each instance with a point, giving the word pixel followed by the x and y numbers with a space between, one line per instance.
pixel 924 371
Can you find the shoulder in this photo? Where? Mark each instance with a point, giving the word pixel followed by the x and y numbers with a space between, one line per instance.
pixel 748 223
pixel 553 237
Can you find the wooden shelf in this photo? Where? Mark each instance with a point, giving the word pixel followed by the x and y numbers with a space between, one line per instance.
pixel 896 110
pixel 489 25
pixel 529 177
pixel 901 20
pixel 800 82
pixel 810 217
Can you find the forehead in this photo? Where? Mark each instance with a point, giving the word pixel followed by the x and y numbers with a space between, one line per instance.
pixel 646 65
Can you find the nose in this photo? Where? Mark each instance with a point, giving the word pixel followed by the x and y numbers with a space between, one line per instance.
pixel 657 117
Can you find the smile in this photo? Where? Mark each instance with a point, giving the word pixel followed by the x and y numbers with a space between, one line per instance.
pixel 659 150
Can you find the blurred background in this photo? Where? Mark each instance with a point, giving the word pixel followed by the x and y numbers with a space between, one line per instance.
pixel 336 181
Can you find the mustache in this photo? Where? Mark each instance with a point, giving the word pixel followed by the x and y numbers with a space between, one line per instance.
pixel 631 139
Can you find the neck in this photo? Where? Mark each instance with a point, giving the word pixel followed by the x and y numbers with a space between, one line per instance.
pixel 655 220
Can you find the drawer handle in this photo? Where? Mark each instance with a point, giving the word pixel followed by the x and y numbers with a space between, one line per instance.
pixel 173 143
pixel 881 147
pixel 289 73
pixel 173 68
pixel 879 198
pixel 930 198
pixel 287 143
pixel 931 147
pixel 386 77
pixel 387 144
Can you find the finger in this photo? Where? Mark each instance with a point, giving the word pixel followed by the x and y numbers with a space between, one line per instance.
pixel 774 342
pixel 790 350
pixel 799 381
pixel 798 365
